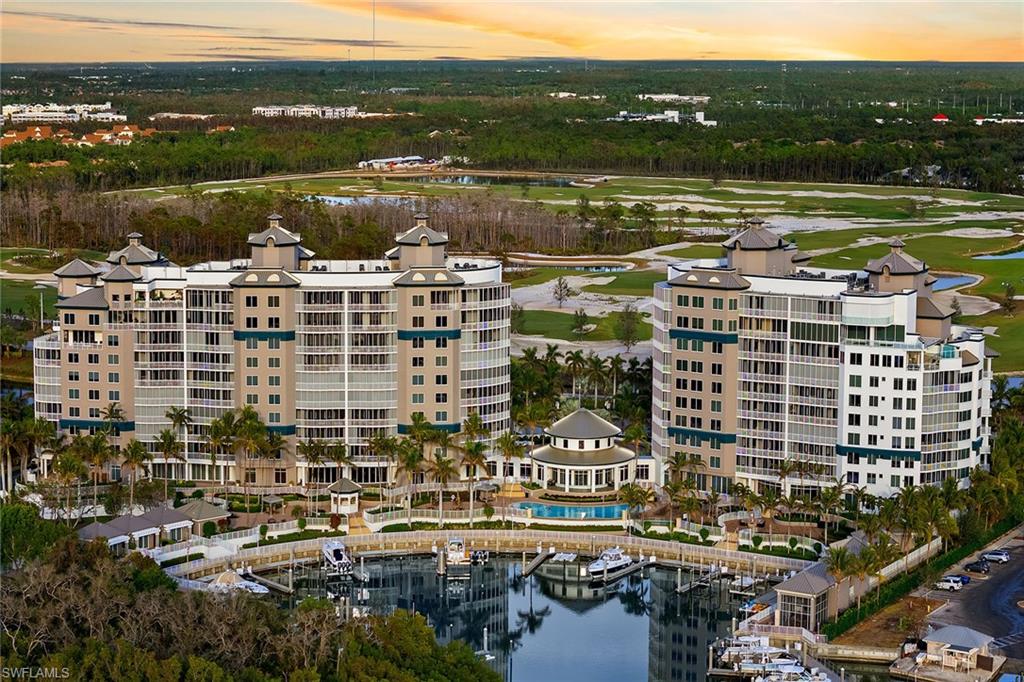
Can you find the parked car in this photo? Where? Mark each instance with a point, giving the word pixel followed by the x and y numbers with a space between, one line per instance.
pixel 962 579
pixel 978 567
pixel 949 583
pixel 1000 556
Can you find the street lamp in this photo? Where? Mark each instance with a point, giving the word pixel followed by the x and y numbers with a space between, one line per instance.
pixel 40 287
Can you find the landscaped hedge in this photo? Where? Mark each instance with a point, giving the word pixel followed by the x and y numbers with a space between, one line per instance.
pixel 292 537
pixel 897 588
pixel 181 560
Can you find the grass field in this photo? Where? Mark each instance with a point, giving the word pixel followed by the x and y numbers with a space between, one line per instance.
pixel 946 254
pixel 540 276
pixel 555 325
pixel 19 295
pixel 1010 340
pixel 632 283
pixel 7 256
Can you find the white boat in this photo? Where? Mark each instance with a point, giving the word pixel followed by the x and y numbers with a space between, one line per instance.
pixel 456 553
pixel 611 560
pixel 230 581
pixel 337 557
pixel 770 664
pixel 479 556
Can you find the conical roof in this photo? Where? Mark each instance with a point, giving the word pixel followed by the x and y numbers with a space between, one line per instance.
pixel 120 274
pixel 76 268
pixel 583 424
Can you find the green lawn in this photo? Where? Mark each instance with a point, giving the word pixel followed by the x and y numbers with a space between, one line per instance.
pixel 945 254
pixel 632 283
pixel 695 251
pixel 541 275
pixel 7 256
pixel 1010 340
pixel 555 325
pixel 18 295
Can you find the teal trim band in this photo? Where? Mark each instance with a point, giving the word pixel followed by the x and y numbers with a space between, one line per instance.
pixel 704 435
pixel 264 336
pixel 288 430
pixel 700 335
pixel 410 334
pixel 405 429
pixel 878 452
pixel 95 423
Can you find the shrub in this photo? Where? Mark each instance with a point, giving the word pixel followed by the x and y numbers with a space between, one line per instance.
pixel 704 533
pixel 488 511
pixel 302 523
pixel 209 528
pixel 757 540
pixel 335 521
pixel 197 494
pixel 263 530
pixel 792 543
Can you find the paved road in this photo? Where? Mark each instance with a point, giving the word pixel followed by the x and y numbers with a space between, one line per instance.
pixel 989 603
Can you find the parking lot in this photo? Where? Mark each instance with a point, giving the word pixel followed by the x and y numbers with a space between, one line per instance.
pixel 989 603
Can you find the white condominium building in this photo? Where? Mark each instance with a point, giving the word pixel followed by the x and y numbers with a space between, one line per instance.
pixel 761 359
pixel 322 349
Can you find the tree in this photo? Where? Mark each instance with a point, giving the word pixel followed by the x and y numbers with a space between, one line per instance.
pixel 314 452
pixel 561 291
pixel 442 469
pixel 635 497
pixel 410 462
pixel 575 363
pixel 580 322
pixel 251 438
pixel 627 326
pixel 68 469
pixel 170 448
pixel 596 374
pixel 26 536
pixel 474 456
pixel 958 313
pixel 1009 302
pixel 134 457
pixel 96 451
pixel 839 564
pixel 517 319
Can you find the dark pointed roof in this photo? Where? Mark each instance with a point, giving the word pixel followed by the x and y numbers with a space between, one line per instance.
pixel 421 277
pixel 281 236
pixel 120 274
pixel 710 279
pixel 135 235
pixel 76 268
pixel 344 486
pixel 897 262
pixel 930 310
pixel 90 298
pixel 305 254
pixel 135 254
pixel 755 238
pixel 583 424
pixel 414 236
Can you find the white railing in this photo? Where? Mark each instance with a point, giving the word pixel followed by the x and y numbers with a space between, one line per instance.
pixel 747 535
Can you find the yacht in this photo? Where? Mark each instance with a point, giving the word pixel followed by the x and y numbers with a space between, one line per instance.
pixel 337 557
pixel 230 581
pixel 611 560
pixel 456 553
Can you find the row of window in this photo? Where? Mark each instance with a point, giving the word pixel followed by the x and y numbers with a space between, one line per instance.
pixel 717 303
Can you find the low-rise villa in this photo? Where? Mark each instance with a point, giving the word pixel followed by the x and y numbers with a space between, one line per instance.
pixel 583 455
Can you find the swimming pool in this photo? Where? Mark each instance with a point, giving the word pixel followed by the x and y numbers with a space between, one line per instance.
pixel 564 511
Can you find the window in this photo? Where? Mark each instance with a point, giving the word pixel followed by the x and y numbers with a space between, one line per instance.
pixel 252 399
pixel 273 301
pixel 74 412
pixel 417 398
pixel 855 380
pixel 274 344
pixel 251 302
pixel 114 396
pixel 251 344
pixel 94 413
pixel 73 357
pixel 274 417
pixel 853 438
pixel 856 359
pixel 94 394
pixel 274 362
pixel 872 401
pixel 440 320
pixel 441 361
pixel 698 301
pixel 94 358
pixel 94 318
pixel 274 398
pixel 417 361
pixel 417 379
pixel 440 343
pixel 417 300
pixel 252 362
pixel 69 318
pixel 417 342
pixel 113 359
pixel 441 380
pixel 274 322
pixel 252 380
pixel 717 303
pixel 252 323
pixel 73 394
pixel 441 417
pixel 854 400
pixel 440 398
pixel 417 321
pixel 113 340
pixel 274 380
pixel 873 382
pixel 73 375
pixel 113 377
pixel 94 376
pixel 280 476
pixel 715 462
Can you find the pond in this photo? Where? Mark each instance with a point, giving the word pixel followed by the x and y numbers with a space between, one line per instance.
pixel 338 200
pixel 944 283
pixel 552 625
pixel 565 511
pixel 1013 255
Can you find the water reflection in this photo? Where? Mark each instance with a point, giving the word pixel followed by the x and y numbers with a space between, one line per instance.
pixel 553 625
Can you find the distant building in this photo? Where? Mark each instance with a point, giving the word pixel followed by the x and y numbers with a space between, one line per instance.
pixel 270 111
pixel 108 116
pixel 982 120
pixel 940 118
pixel 675 99
pixel 393 162
pixel 669 116
pixel 308 111
pixel 699 118
pixel 340 112
pixel 173 115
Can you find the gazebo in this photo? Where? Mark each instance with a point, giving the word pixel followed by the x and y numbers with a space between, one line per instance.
pixel 583 455
pixel 344 496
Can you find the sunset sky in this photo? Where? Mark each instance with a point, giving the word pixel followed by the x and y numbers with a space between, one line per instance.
pixel 195 30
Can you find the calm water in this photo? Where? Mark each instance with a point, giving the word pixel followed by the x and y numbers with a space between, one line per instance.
pixel 332 200
pixel 1013 255
pixel 561 511
pixel 950 282
pixel 553 626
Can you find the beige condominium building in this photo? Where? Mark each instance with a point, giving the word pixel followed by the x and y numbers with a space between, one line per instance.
pixel 760 358
pixel 322 349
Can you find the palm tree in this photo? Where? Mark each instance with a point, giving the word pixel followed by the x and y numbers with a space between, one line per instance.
pixel 180 419
pixel 786 468
pixel 510 448
pixel 68 468
pixel 474 457
pixel 385 447
pixel 341 456
pixel 596 373
pixel 170 447
pixel 111 414
pixel 636 435
pixel 134 457
pixel 220 437
pixel 251 438
pixel 839 564
pixel 829 501
pixel 410 461
pixel 96 451
pixel 313 451
pixel 575 362
pixel 635 497
pixel 442 469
